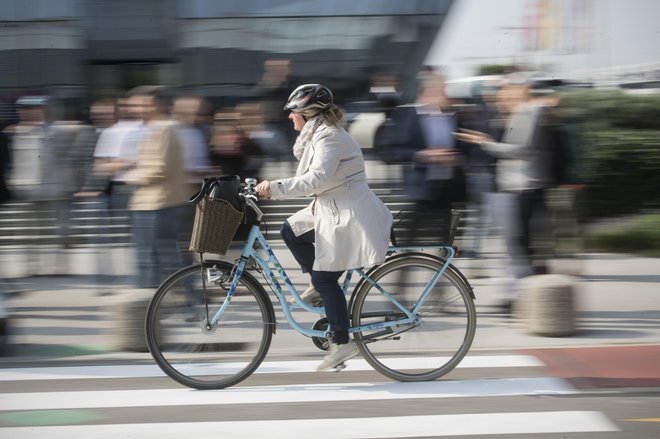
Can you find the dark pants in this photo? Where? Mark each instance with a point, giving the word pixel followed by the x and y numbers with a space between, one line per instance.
pixel 325 282
pixel 155 233
pixel 531 206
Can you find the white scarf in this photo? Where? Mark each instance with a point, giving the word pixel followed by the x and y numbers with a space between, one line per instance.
pixel 305 137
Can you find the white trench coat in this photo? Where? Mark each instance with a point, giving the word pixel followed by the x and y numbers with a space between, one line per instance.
pixel 351 224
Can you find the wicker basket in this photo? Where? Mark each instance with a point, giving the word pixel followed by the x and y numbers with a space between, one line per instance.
pixel 216 222
pixel 424 228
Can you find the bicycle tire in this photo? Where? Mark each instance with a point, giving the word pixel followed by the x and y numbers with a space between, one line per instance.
pixel 447 320
pixel 226 354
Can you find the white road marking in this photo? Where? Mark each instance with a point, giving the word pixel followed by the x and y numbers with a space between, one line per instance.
pixel 268 367
pixel 353 428
pixel 285 394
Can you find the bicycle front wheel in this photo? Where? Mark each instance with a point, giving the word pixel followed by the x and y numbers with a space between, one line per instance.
pixel 203 357
pixel 440 337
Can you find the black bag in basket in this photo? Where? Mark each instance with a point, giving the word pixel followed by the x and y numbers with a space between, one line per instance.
pixel 221 188
pixel 219 212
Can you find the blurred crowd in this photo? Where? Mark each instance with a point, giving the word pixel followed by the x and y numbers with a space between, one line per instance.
pixel 503 154
pixel 497 154
pixel 143 154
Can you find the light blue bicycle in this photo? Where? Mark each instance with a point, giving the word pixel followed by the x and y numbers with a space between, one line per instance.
pixel 210 325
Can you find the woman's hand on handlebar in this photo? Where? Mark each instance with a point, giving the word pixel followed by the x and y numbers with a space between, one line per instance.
pixel 263 190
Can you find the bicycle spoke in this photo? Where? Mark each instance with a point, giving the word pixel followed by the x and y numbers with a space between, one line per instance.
pixel 443 328
pixel 183 345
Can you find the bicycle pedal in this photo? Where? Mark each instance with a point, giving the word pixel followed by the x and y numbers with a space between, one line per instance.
pixel 341 366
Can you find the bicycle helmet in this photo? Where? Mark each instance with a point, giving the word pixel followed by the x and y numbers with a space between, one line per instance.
pixel 309 98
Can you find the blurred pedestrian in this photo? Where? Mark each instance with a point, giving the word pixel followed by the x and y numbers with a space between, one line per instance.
pixel 272 89
pixel 523 175
pixel 92 186
pixel 437 167
pixel 86 180
pixel 270 141
pixel 386 95
pixel 64 132
pixel 346 226
pixel 195 148
pixel 232 151
pixel 116 152
pixel 196 158
pixel 480 114
pixel 420 136
pixel 570 168
pixel 159 178
pixel 38 178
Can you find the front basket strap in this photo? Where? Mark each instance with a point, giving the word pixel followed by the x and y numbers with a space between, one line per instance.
pixel 206 184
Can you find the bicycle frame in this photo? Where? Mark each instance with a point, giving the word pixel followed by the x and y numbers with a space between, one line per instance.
pixel 270 263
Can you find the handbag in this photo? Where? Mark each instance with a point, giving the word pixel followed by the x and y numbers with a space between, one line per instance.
pixel 218 214
pixel 225 188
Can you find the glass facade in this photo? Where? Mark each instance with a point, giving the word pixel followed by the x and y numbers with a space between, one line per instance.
pixel 102 47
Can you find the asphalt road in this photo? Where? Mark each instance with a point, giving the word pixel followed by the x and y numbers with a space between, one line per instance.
pixel 62 378
pixel 492 394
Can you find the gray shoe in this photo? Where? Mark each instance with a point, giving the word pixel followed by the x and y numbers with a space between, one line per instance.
pixel 310 296
pixel 337 355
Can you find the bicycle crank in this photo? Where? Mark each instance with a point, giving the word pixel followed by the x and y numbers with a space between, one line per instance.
pixel 321 342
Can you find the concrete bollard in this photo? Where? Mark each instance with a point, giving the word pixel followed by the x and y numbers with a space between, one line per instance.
pixel 128 312
pixel 546 305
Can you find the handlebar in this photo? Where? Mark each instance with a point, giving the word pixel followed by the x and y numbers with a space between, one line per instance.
pixel 248 191
pixel 251 197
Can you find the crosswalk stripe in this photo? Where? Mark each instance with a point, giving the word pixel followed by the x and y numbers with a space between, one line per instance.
pixel 285 394
pixel 355 428
pixel 268 367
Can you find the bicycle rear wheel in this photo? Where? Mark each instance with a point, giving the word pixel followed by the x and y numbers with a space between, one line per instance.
pixel 199 357
pixel 442 334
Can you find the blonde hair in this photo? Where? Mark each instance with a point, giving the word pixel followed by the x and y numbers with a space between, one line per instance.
pixel 331 116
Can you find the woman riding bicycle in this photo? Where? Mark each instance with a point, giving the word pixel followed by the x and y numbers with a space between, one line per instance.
pixel 346 226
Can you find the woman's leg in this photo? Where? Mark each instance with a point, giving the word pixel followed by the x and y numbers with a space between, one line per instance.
pixel 334 301
pixel 302 247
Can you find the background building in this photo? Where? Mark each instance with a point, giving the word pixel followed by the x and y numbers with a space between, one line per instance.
pixel 76 50
pixel 576 39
